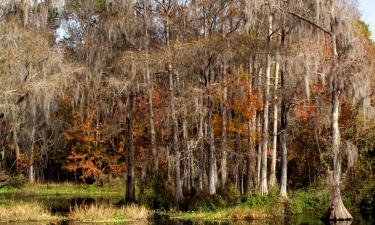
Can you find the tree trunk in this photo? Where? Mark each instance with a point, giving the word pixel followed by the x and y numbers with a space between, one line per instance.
pixel 211 141
pixel 274 140
pixel 211 152
pixel 284 123
pixel 32 154
pixel 201 149
pixel 337 210
pixel 17 147
pixel 130 183
pixel 283 140
pixel 224 155
pixel 149 95
pixel 263 179
pixel 258 131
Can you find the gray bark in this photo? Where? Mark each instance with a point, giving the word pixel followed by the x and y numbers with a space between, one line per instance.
pixel 149 94
pixel 275 115
pixel 224 156
pixel 337 209
pixel 263 177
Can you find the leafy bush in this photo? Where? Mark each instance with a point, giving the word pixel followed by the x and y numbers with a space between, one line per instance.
pixel 367 204
pixel 17 182
pixel 302 201
pixel 202 201
pixel 256 200
pixel 157 194
pixel 230 194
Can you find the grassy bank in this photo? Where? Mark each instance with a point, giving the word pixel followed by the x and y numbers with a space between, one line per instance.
pixel 236 213
pixel 26 211
pixel 23 211
pixel 68 189
pixel 227 205
pixel 100 213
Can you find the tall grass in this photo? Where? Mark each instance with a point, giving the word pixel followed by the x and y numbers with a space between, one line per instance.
pixel 101 213
pixel 66 189
pixel 24 212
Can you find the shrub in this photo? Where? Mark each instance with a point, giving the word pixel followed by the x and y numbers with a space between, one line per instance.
pixel 256 200
pixel 202 201
pixel 367 204
pixel 157 194
pixel 17 182
pixel 310 200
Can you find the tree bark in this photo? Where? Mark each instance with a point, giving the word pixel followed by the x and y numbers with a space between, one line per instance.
pixel 17 147
pixel 272 182
pixel 263 179
pixel 32 155
pixel 224 155
pixel 283 140
pixel 284 120
pixel 149 95
pixel 130 183
pixel 211 160
pixel 337 209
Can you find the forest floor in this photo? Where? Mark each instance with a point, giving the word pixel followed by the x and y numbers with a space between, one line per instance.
pixel 93 203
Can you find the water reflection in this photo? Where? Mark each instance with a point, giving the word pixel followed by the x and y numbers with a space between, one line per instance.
pixel 166 221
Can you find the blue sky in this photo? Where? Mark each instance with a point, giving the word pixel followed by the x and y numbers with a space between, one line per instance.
pixel 367 9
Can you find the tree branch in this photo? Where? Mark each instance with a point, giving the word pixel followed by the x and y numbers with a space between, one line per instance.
pixel 310 22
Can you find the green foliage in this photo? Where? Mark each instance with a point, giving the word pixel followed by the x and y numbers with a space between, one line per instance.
pixel 102 5
pixel 364 28
pixel 202 201
pixel 231 195
pixel 311 200
pixel 17 182
pixel 256 200
pixel 157 194
pixel 53 14
pixel 367 204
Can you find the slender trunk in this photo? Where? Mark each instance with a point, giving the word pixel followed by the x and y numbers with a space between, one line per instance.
pixel 283 140
pixel 201 150
pixel 224 154
pixel 176 151
pixel 263 179
pixel 211 143
pixel 275 115
pixel 284 121
pixel 337 209
pixel 32 154
pixel 258 131
pixel 259 147
pixel 17 147
pixel 211 152
pixel 149 95
pixel 130 183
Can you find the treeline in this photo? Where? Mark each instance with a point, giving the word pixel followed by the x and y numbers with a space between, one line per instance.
pixel 205 93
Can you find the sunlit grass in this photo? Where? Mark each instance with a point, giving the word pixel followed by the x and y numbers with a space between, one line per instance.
pixel 236 213
pixel 65 189
pixel 101 213
pixel 23 211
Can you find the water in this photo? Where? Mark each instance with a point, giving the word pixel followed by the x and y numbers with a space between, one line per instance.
pixel 61 205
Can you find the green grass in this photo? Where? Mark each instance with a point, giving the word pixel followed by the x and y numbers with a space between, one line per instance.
pixel 235 213
pixel 308 200
pixel 65 189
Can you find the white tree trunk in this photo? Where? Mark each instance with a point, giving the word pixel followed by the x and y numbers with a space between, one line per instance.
pixel 275 115
pixel 263 177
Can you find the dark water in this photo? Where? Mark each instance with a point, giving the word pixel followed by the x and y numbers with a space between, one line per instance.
pixel 61 205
